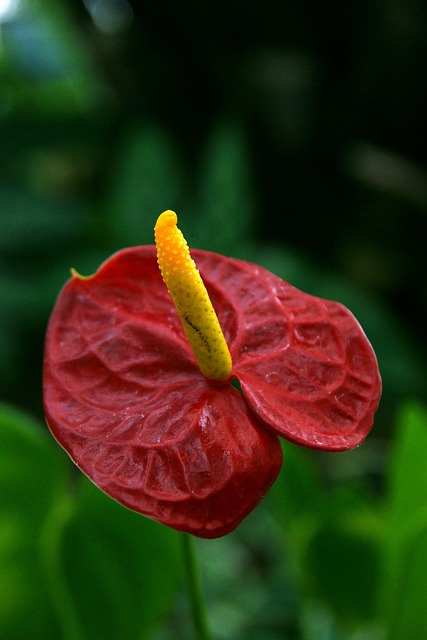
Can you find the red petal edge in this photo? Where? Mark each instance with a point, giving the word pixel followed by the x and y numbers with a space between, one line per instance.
pixel 124 397
pixel 305 366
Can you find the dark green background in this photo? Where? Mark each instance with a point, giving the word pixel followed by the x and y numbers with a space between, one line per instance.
pixel 291 134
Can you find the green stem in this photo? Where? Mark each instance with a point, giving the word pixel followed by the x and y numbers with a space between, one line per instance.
pixel 195 590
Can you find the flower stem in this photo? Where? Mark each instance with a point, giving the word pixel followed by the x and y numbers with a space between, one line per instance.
pixel 195 590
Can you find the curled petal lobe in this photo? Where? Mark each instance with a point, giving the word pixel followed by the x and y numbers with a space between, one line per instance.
pixel 305 366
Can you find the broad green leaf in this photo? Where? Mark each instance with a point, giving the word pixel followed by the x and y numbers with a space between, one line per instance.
pixel 73 563
pixel 120 569
pixel 342 564
pixel 32 476
pixel 408 477
pixel 405 549
pixel 331 534
pixel 407 620
pixel 339 558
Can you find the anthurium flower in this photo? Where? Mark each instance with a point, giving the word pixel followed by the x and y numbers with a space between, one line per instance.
pixel 138 380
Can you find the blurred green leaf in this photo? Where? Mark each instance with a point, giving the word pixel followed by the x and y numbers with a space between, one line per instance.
pixel 318 623
pixel 54 72
pixel 407 620
pixel 408 477
pixel 121 568
pixel 32 476
pixel 296 501
pixel 225 205
pixel 298 489
pixel 73 564
pixel 334 534
pixel 342 565
pixel 30 224
pixel 147 181
pixel 404 596
pixel 284 261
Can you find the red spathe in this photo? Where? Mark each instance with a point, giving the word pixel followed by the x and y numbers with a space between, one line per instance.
pixel 125 398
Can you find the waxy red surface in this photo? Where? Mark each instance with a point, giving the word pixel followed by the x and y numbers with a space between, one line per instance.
pixel 125 398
